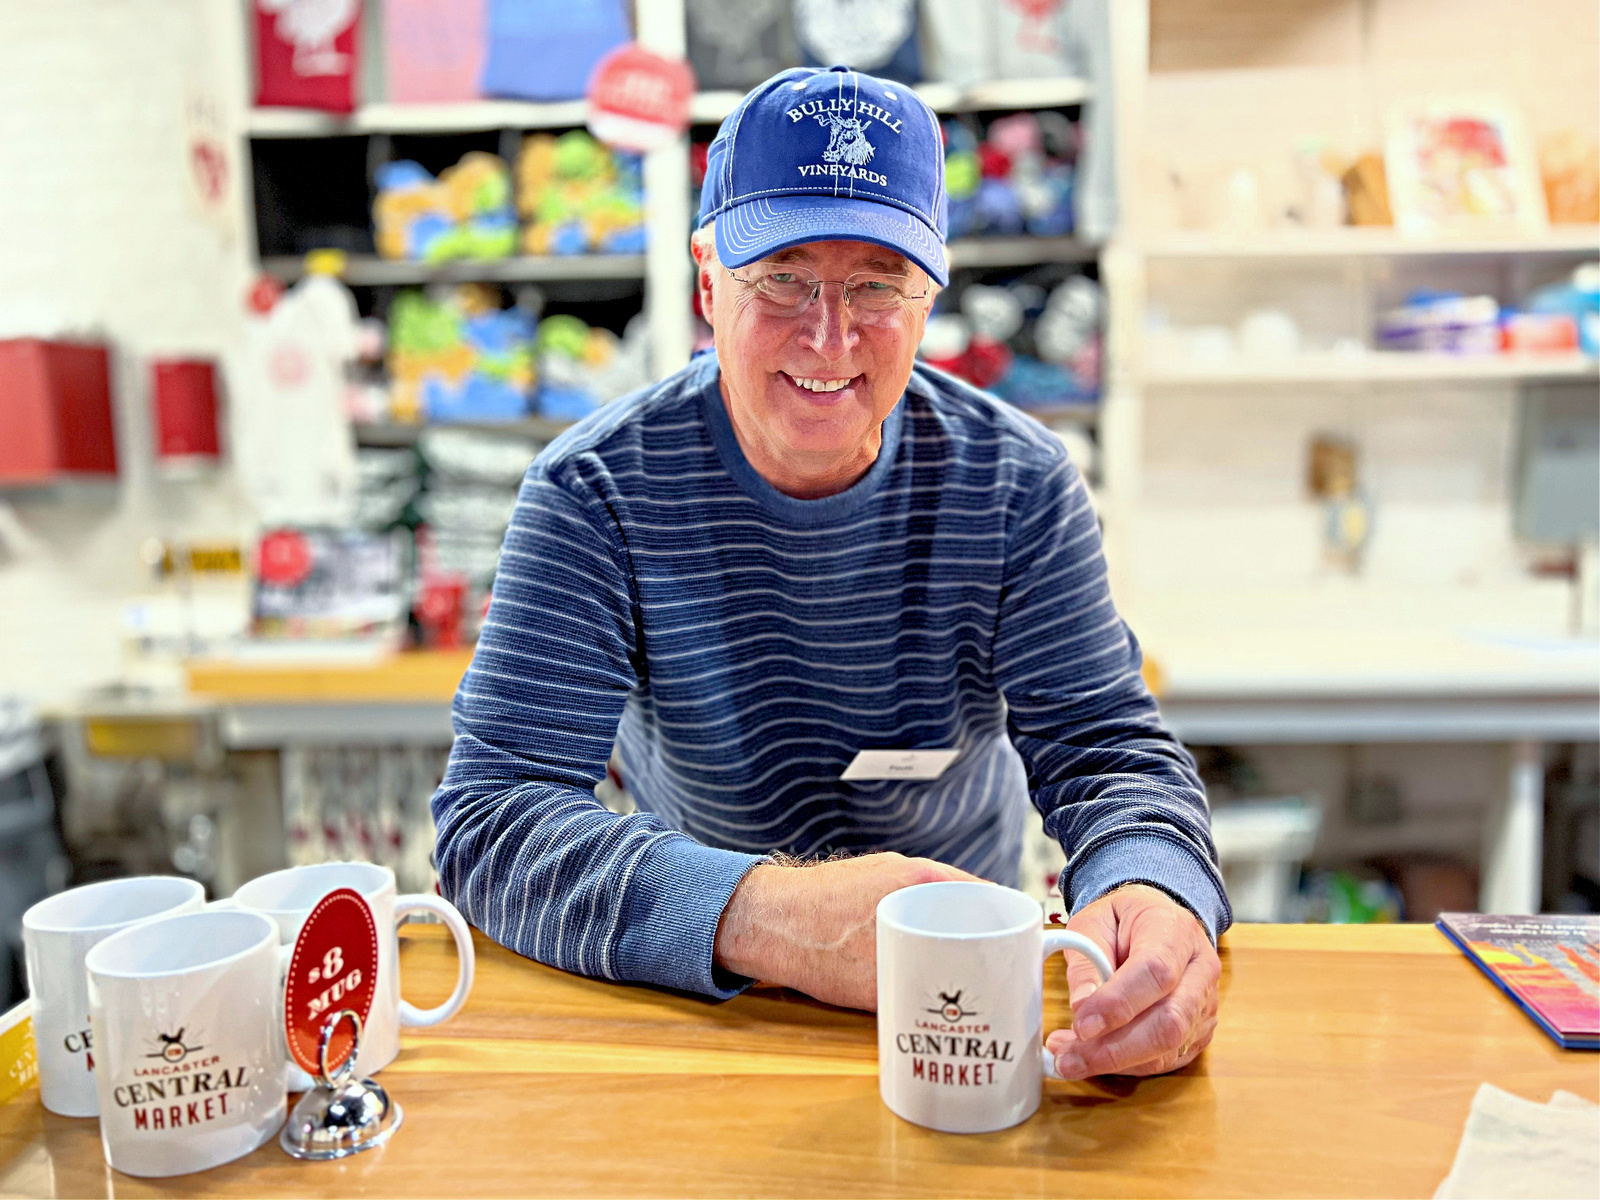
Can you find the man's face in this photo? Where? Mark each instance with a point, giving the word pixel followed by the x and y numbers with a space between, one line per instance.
pixel 767 360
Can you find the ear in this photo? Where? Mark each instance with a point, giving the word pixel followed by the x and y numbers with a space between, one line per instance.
pixel 705 272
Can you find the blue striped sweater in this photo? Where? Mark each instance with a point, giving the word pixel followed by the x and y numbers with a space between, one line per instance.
pixel 739 646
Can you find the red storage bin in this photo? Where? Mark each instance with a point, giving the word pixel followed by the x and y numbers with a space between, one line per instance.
pixel 55 411
pixel 184 396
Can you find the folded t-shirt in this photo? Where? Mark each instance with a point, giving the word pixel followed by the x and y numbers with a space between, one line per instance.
pixel 878 37
pixel 545 49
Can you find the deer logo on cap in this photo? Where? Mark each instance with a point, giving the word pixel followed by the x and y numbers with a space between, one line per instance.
pixel 847 139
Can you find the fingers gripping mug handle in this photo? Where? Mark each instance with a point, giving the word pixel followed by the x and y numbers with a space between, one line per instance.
pixel 410 1014
pixel 1056 940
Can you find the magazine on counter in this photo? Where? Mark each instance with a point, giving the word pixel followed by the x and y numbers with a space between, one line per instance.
pixel 1549 965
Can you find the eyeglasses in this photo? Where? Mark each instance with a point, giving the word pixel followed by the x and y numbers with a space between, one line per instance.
pixel 787 290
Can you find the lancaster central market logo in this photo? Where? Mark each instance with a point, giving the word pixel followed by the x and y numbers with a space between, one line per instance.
pixel 176 1086
pixel 849 149
pixel 948 1048
pixel 950 1007
pixel 171 1048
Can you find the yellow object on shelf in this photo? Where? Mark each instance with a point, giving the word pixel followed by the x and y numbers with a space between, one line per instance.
pixel 174 739
pixel 326 262
pixel 19 1068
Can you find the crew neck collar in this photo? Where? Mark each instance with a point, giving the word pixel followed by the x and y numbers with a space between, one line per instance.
pixel 789 508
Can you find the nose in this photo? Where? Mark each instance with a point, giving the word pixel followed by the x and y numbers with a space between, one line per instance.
pixel 830 327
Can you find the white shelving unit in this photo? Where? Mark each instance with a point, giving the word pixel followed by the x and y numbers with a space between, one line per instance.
pixel 665 268
pixel 1331 661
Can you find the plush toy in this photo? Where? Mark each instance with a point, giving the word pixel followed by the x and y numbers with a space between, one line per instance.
pixel 961 175
pixel 465 213
pixel 1017 179
pixel 581 368
pixel 952 344
pixel 994 312
pixel 945 338
pixel 578 197
pixel 408 196
pixel 477 192
pixel 1032 348
pixel 460 357
pixel 1067 334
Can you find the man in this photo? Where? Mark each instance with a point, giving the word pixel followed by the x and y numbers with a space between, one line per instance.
pixel 801 548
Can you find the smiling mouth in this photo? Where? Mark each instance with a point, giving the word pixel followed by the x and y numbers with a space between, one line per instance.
pixel 819 386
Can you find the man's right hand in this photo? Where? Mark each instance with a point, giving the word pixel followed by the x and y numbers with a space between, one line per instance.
pixel 813 927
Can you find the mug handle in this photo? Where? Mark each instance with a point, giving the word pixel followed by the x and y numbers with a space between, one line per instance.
pixel 1061 939
pixel 410 1014
pixel 280 998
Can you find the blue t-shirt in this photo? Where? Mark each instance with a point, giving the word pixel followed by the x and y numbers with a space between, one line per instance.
pixel 739 646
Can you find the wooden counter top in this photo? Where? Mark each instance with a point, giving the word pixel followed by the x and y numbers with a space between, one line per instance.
pixel 416 675
pixel 408 677
pixel 1344 1065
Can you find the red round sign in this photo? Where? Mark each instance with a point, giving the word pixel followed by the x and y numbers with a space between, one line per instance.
pixel 334 967
pixel 283 558
pixel 639 100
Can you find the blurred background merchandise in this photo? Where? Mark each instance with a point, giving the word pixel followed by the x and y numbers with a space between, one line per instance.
pixel 1308 291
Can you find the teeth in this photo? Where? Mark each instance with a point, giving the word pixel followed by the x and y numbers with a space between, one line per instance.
pixel 820 385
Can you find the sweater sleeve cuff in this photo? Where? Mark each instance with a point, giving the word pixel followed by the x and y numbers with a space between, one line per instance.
pixel 674 906
pixel 1161 864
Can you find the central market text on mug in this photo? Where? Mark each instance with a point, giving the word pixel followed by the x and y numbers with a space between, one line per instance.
pixel 969 1068
pixel 81 1042
pixel 178 1070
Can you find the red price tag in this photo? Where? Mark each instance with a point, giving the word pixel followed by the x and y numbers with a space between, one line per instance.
pixel 639 100
pixel 334 966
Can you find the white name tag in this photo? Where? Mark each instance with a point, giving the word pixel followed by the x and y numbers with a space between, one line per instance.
pixel 899 764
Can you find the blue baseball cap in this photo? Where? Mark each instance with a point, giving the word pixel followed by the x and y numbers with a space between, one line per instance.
pixel 816 155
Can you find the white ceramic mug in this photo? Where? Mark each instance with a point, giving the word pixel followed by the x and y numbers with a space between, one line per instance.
pixel 57 932
pixel 961 1003
pixel 187 1013
pixel 288 896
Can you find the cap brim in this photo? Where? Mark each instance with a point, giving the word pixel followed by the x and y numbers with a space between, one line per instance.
pixel 757 228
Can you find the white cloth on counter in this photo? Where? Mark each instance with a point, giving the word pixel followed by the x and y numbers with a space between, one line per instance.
pixel 1513 1148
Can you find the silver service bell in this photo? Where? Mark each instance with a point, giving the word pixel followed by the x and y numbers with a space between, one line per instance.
pixel 341 1115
